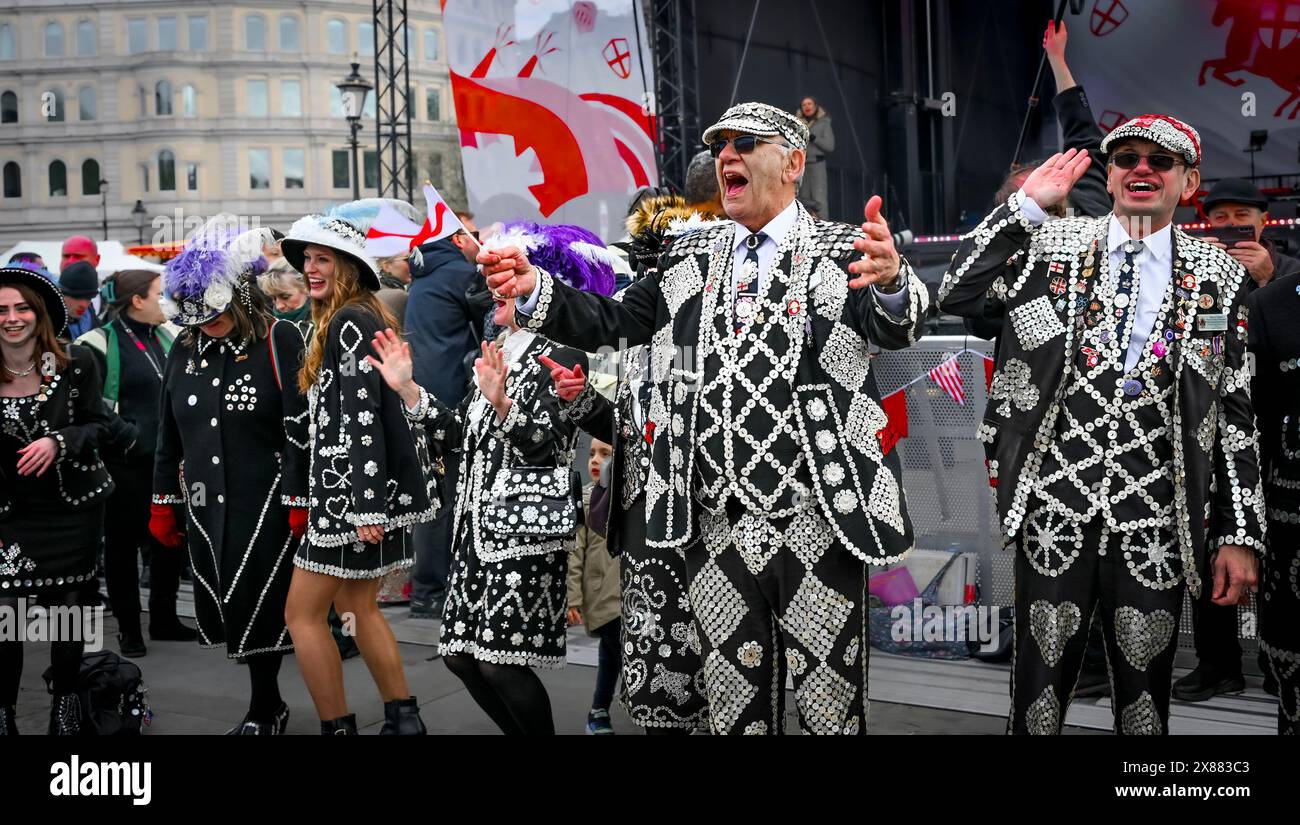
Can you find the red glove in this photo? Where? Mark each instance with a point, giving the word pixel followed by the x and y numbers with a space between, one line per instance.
pixel 162 524
pixel 297 521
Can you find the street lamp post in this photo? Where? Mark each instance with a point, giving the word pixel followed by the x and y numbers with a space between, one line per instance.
pixel 138 215
pixel 103 204
pixel 353 89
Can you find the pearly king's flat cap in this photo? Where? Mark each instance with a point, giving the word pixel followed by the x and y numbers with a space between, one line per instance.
pixel 1165 131
pixel 762 120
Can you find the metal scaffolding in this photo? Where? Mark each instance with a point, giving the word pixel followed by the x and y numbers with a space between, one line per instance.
pixel 677 87
pixel 392 101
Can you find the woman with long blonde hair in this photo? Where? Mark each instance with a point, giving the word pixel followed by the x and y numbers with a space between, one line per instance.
pixel 366 481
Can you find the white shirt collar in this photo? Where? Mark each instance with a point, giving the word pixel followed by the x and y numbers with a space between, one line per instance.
pixel 1159 244
pixel 775 229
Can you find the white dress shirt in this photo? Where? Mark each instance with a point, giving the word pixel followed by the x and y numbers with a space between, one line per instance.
pixel 1155 269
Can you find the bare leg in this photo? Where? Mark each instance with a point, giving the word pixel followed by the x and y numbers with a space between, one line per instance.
pixel 306 612
pixel 374 637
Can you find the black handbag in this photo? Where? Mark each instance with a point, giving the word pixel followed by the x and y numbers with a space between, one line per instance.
pixel 532 502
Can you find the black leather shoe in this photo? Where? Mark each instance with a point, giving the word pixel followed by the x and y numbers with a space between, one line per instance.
pixel 1205 683
pixel 402 718
pixel 9 721
pixel 132 647
pixel 342 726
pixel 347 647
pixel 275 727
pixel 172 631
pixel 65 715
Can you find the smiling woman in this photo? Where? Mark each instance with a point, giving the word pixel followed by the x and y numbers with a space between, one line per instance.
pixel 52 483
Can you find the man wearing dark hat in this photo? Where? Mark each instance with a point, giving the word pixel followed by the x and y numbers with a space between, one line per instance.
pixel 1119 432
pixel 765 465
pixel 1238 202
pixel 79 283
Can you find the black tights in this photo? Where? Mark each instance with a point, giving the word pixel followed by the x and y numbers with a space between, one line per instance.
pixel 65 656
pixel 264 676
pixel 511 695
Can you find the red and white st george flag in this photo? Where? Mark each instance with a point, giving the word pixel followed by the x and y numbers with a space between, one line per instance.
pixel 1227 67
pixel 948 376
pixel 392 234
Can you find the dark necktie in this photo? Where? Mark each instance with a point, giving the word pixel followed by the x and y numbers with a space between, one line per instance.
pixel 1125 298
pixel 747 289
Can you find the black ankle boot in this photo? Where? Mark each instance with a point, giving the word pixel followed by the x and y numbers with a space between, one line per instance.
pixel 342 726
pixel 402 718
pixel 132 646
pixel 252 727
pixel 8 721
pixel 65 715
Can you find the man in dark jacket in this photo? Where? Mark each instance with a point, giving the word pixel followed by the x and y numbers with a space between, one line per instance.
pixel 442 326
pixel 1238 202
pixel 1232 202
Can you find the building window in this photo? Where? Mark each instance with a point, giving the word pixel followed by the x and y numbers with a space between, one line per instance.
pixel 295 168
pixel 337 36
pixel 8 107
pixel 162 98
pixel 430 44
pixel 7 51
pixel 53 40
pixel 259 168
pixel 370 175
pixel 137 35
pixel 257 102
pixel 291 98
pixel 189 101
pixel 58 179
pixel 55 114
pixel 366 37
pixel 198 32
pixel 192 177
pixel 166 34
pixel 289 40
pixel 85 39
pixel 144 176
pixel 336 101
pixel 166 171
pixel 255 33
pixel 87 105
pixel 13 181
pixel 432 104
pixel 341 163
pixel 90 177
pixel 406 41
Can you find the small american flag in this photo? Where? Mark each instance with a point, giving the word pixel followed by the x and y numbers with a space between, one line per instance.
pixel 948 376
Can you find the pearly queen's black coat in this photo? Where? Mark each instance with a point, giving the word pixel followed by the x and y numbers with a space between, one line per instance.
pixel 232 448
pixel 837 403
pixel 364 466
pixel 1217 492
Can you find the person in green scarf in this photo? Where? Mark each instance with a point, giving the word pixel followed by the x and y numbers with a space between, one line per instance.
pixel 288 293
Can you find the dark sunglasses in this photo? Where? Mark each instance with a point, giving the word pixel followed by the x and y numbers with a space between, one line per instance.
pixel 744 144
pixel 1158 163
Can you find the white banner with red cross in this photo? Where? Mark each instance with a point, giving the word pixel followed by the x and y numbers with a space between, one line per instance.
pixel 1227 67
pixel 553 103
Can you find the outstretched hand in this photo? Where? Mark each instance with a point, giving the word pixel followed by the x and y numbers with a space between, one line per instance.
pixel 508 272
pixel 1050 183
pixel 880 261
pixel 394 359
pixel 568 382
pixel 491 369
pixel 1054 40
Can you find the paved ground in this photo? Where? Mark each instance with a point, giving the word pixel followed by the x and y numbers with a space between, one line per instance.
pixel 196 691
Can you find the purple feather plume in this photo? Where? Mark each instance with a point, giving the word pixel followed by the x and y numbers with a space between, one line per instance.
pixel 561 253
